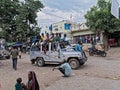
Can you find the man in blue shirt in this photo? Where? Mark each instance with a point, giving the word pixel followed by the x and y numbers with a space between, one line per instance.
pixel 64 68
pixel 78 47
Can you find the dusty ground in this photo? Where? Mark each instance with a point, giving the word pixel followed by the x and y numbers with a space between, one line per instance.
pixel 97 74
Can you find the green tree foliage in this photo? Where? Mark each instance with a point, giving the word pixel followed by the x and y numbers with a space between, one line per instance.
pixel 99 18
pixel 7 13
pixel 18 19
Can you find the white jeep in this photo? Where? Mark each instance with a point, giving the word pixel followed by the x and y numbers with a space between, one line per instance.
pixel 39 56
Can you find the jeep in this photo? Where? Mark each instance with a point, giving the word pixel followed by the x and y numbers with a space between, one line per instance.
pixel 41 57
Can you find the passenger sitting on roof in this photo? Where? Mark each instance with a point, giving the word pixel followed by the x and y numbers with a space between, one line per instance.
pixel 52 40
pixel 43 37
pixel 64 38
pixel 57 38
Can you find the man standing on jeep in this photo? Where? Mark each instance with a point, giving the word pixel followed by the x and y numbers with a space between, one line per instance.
pixel 64 68
pixel 78 48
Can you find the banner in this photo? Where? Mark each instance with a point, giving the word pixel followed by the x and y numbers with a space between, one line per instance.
pixel 115 8
pixel 67 26
pixel 50 27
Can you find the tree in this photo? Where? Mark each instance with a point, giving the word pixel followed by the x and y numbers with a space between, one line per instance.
pixel 18 19
pixel 8 9
pixel 100 20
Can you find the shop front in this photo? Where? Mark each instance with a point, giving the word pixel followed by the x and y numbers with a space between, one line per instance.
pixel 114 39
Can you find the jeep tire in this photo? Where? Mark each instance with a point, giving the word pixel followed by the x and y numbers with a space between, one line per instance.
pixel 74 63
pixel 40 62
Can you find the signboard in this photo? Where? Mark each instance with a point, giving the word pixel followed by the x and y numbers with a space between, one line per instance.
pixel 67 26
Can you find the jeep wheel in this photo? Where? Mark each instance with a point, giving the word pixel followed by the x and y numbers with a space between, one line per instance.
pixel 74 63
pixel 40 62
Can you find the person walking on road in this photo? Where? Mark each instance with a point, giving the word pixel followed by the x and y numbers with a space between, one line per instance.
pixel 14 53
pixel 64 68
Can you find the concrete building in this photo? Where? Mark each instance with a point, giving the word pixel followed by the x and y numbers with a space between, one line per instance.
pixel 63 27
pixel 80 31
pixel 74 31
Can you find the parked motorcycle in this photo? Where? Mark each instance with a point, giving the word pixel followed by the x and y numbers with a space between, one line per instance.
pixel 97 52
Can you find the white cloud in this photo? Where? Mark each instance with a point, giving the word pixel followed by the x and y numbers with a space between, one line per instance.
pixel 51 15
pixel 57 10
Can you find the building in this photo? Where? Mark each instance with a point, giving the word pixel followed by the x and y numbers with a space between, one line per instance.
pixel 82 33
pixel 63 27
pixel 74 31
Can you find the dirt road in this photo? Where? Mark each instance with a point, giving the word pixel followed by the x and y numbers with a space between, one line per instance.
pixel 97 74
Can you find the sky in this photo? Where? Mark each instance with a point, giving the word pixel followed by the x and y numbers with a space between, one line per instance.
pixel 58 10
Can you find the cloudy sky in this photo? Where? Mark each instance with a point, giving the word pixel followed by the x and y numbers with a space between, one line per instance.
pixel 57 10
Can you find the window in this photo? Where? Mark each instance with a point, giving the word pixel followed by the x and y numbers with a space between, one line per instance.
pixel 56 29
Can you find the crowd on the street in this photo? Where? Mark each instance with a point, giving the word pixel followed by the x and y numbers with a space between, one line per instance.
pixel 89 38
pixel 64 67
pixel 32 83
pixel 16 51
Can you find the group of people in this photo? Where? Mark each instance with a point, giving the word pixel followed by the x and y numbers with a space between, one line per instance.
pixel 32 83
pixel 46 37
pixel 15 52
pixel 54 39
pixel 88 39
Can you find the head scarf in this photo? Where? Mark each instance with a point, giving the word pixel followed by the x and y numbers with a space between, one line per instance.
pixel 35 85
